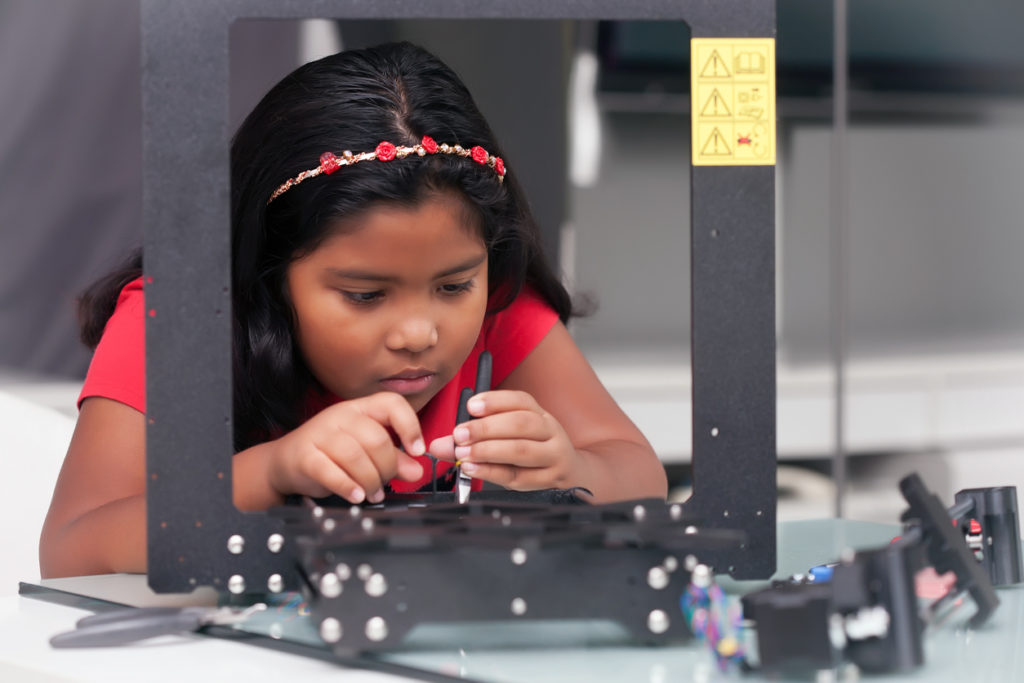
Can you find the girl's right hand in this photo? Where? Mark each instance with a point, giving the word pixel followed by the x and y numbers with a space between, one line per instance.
pixel 347 450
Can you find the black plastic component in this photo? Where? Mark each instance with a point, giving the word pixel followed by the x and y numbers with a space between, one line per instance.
pixel 995 509
pixel 792 628
pixel 945 547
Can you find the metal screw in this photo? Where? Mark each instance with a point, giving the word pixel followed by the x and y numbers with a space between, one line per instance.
pixel 676 511
pixel 691 530
pixel 701 576
pixel 657 578
pixel 363 571
pixel 275 584
pixel 367 524
pixel 343 571
pixel 236 584
pixel 376 585
pixel 376 629
pixel 670 564
pixel 330 630
pixel 690 562
pixel 657 621
pixel 275 542
pixel 330 585
pixel 639 512
pixel 318 512
pixel 355 511
pixel 518 607
pixel 236 544
pixel 518 556
pixel 329 524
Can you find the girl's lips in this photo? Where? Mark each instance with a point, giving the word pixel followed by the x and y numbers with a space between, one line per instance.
pixel 408 385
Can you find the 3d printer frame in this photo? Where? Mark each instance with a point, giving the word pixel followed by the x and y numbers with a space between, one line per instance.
pixel 196 536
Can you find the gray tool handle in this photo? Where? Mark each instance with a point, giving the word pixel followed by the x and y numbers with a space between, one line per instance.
pixel 104 630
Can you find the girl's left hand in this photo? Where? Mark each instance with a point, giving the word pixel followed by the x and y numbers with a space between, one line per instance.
pixel 513 442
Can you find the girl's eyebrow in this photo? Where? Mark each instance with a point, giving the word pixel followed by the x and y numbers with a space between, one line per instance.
pixel 352 274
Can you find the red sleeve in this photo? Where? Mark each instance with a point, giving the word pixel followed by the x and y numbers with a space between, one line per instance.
pixel 118 367
pixel 513 333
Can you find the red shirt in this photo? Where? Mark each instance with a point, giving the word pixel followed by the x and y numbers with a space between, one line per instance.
pixel 118 369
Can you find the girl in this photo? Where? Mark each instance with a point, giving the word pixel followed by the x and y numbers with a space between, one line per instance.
pixel 379 245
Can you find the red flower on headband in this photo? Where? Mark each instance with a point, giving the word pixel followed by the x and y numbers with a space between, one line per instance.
pixel 329 163
pixel 499 166
pixel 385 151
pixel 429 144
pixel 479 154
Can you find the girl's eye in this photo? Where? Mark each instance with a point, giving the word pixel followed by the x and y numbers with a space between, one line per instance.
pixel 362 297
pixel 455 288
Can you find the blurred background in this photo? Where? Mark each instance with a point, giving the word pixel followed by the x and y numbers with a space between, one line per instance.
pixel 595 119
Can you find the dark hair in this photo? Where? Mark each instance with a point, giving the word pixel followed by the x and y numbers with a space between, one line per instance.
pixel 349 101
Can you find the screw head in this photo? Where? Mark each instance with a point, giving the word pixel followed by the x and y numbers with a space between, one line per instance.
pixel 367 524
pixel 275 584
pixel 236 544
pixel 657 621
pixel 330 630
pixel 364 571
pixel 236 584
pixel 330 585
pixel 670 564
pixel 676 512
pixel 376 585
pixel 518 556
pixel 639 513
pixel 343 571
pixel 376 629
pixel 275 542
pixel 518 607
pixel 657 578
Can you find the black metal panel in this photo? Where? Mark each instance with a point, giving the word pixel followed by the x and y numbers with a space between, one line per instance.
pixel 188 357
pixel 733 333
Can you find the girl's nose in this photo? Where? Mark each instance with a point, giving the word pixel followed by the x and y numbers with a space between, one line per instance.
pixel 414 334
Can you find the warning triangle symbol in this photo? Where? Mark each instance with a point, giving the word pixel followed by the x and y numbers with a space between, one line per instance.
pixel 715 106
pixel 716 145
pixel 715 67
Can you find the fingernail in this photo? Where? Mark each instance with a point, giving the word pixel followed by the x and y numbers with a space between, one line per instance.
pixel 357 496
pixel 461 452
pixel 469 467
pixel 461 434
pixel 378 496
pixel 475 405
pixel 417 448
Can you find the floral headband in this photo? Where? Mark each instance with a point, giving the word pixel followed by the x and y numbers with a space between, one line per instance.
pixel 386 151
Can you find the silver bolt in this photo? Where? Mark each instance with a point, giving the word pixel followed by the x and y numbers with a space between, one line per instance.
pixel 376 629
pixel 657 621
pixel 236 544
pixel 690 563
pixel 329 524
pixel 506 521
pixel 701 576
pixel 670 564
pixel 367 524
pixel 275 542
pixel 518 607
pixel 318 512
pixel 355 511
pixel 657 578
pixel 676 512
pixel 275 584
pixel 236 584
pixel 330 630
pixel 363 571
pixel 639 512
pixel 518 556
pixel 343 571
pixel 691 530
pixel 376 585
pixel 496 514
pixel 330 585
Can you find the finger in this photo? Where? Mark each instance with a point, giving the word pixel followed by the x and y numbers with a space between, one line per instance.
pixel 517 424
pixel 348 455
pixel 500 401
pixel 326 473
pixel 376 443
pixel 517 452
pixel 509 476
pixel 443 448
pixel 390 409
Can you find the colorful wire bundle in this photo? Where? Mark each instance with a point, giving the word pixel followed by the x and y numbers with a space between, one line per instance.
pixel 713 617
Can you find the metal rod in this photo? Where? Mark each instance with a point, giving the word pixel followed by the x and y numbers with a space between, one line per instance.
pixel 839 215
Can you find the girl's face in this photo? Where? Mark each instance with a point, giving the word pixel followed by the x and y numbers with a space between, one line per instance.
pixel 394 301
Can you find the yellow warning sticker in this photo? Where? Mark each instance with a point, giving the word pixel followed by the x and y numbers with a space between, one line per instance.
pixel 732 91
